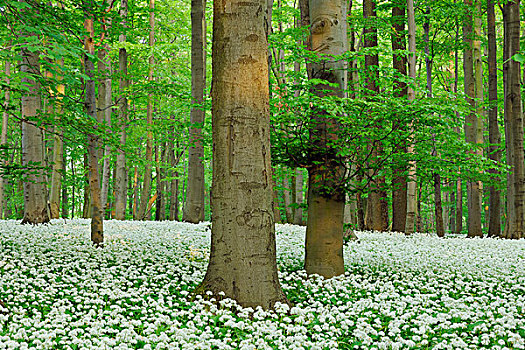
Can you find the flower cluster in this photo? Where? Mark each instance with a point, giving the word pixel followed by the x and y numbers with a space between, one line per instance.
pixel 59 292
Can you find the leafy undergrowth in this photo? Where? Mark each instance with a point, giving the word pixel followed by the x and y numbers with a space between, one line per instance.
pixel 420 292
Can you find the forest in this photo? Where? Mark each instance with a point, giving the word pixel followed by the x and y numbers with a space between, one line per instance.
pixel 262 174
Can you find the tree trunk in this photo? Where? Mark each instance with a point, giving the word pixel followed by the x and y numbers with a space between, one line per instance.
pixel 299 197
pixel 194 205
pixel 35 196
pixel 471 125
pixel 146 184
pixel 377 198
pixel 104 116
pixel 326 199
pixel 97 228
pixel 243 253
pixel 65 202
pixel 3 135
pixel 494 134
pixel 438 209
pixel 121 173
pixel 411 94
pixel 287 186
pixel 399 179
pixel 514 124
pixel 56 107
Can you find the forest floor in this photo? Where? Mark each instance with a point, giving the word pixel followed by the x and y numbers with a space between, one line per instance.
pixel 420 292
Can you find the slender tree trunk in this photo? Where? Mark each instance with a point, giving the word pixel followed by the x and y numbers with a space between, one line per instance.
pixel 514 124
pixel 3 135
pixel 471 124
pixel 104 116
pixel 399 179
pixel 35 197
pixel 438 208
pixel 287 186
pixel 299 197
pixel 121 172
pixel 146 184
pixel 494 134
pixel 411 94
pixel 377 198
pixel 97 228
pixel 194 205
pixel 65 202
pixel 326 200
pixel 242 258
pixel 56 107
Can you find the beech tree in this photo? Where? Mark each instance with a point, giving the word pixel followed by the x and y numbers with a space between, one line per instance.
pixel 515 225
pixel 35 195
pixel 97 225
pixel 326 200
pixel 243 254
pixel 194 206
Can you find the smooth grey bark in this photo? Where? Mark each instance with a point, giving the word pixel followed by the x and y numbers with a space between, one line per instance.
pixel 36 210
pixel 243 253
pixel 515 225
pixel 121 171
pixel 494 134
pixel 411 94
pixel 326 200
pixel 97 225
pixel 3 135
pixel 194 205
pixel 377 198
pixel 142 213
pixel 56 108
pixel 471 124
pixel 399 178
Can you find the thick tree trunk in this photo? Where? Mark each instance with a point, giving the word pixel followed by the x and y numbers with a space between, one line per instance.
pixel 494 134
pixel 194 205
pixel 471 125
pixel 243 253
pixel 146 184
pixel 35 196
pixel 97 228
pixel 121 172
pixel 411 94
pixel 377 198
pixel 399 179
pixel 326 200
pixel 514 124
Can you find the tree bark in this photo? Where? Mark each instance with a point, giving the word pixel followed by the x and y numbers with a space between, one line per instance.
pixel 411 94
pixel 194 205
pixel 326 199
pixel 3 135
pixel 35 197
pixel 399 179
pixel 146 184
pixel 97 228
pixel 121 172
pixel 377 198
pixel 299 197
pixel 243 253
pixel 494 134
pixel 56 107
pixel 514 124
pixel 471 124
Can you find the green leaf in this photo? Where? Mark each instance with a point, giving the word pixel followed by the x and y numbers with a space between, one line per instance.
pixel 519 58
